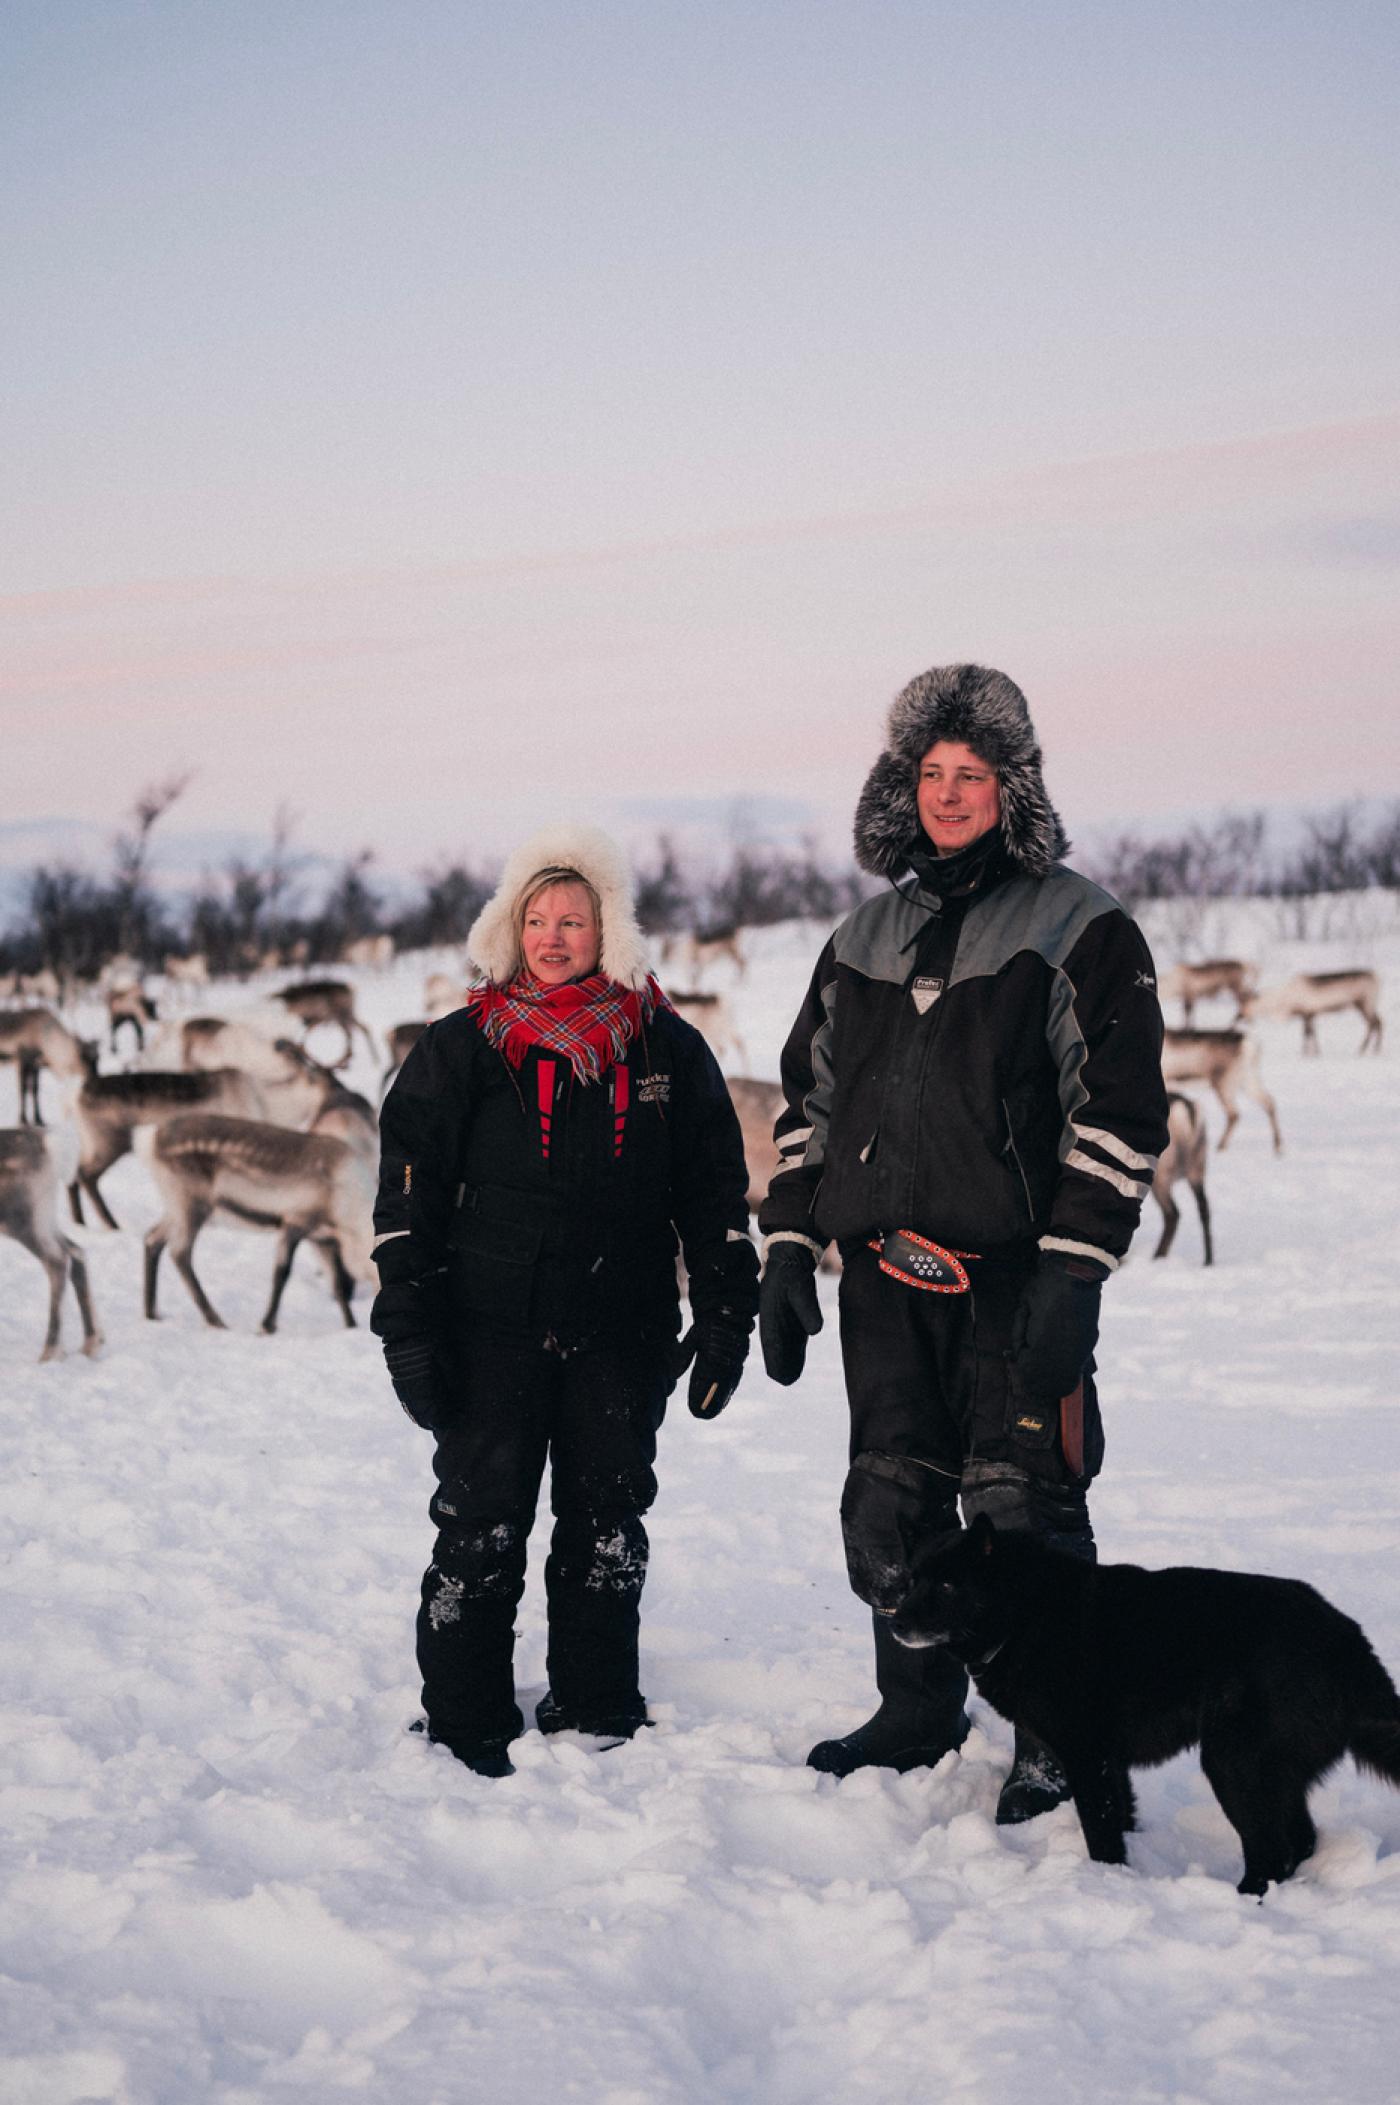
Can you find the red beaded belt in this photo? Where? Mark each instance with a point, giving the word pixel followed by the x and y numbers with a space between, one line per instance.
pixel 915 1261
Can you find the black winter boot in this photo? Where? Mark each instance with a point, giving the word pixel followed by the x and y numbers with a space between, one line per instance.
pixel 612 1726
pixel 483 1757
pixel 921 1715
pixel 1035 1785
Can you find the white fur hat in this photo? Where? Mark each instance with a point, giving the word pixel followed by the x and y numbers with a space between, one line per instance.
pixel 494 943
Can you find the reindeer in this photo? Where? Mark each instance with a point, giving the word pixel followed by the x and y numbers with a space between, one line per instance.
pixel 1217 975
pixel 35 1038
pixel 318 1001
pixel 693 954
pixel 442 993
pixel 303 1185
pixel 42 986
pixel 1183 1162
pixel 350 1117
pixel 109 1109
pixel 129 1004
pixel 1309 995
pixel 376 952
pixel 187 972
pixel 758 1105
pixel 714 1019
pixel 1229 1062
pixel 29 1215
pixel 293 1084
pixel 400 1042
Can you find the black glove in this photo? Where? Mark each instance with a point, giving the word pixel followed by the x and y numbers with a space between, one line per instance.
pixel 718 1342
pixel 1054 1330
pixel 788 1310
pixel 413 1369
pixel 406 1318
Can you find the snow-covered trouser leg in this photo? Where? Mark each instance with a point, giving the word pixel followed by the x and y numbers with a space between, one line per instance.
pixel 466 1629
pixel 610 1404
pixel 490 1460
pixel 593 1579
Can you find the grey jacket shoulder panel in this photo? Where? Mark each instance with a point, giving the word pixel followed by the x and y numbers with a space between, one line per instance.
pixel 1047 915
pixel 876 939
pixel 1044 914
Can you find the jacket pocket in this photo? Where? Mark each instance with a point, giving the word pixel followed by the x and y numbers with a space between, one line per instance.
pixel 491 1268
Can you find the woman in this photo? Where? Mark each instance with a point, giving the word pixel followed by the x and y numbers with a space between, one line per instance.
pixel 542 1148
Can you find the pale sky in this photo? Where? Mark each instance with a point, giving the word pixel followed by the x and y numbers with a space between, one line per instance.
pixel 444 417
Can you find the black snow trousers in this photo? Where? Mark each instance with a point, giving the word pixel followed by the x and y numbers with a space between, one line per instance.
pixel 593 1415
pixel 934 1420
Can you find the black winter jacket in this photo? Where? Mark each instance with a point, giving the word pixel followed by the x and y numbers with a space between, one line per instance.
pixel 983 1069
pixel 537 1206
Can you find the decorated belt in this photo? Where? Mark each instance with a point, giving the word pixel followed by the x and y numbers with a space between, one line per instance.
pixel 915 1261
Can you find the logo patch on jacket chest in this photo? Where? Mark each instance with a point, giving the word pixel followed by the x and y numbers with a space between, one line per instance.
pixel 654 1089
pixel 926 992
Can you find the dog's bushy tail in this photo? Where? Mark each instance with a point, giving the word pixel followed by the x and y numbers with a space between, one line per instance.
pixel 1375 1745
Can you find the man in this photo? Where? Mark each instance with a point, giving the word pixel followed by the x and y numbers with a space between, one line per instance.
pixel 974 1109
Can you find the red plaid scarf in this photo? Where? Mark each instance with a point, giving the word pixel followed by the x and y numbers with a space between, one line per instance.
pixel 590 1021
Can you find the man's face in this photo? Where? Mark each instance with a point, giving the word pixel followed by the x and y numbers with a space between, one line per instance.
pixel 958 796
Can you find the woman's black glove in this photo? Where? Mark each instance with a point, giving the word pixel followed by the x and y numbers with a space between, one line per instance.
pixel 1054 1330
pixel 412 1364
pixel 405 1318
pixel 718 1342
pixel 788 1310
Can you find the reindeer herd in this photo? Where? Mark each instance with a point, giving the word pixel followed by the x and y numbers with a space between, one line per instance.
pixel 234 1117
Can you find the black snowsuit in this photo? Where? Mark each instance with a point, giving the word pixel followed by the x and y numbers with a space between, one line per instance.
pixel 978 1060
pixel 541 1216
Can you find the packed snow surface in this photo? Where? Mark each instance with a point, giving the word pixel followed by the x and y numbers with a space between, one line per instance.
pixel 230 1872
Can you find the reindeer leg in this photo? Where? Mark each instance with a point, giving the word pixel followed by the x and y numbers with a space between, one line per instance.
pixel 180 1254
pixel 75 1203
pixel 88 1180
pixel 281 1272
pixel 155 1242
pixel 78 1273
pixel 1171 1216
pixel 1203 1208
pixel 342 1281
pixel 56 1265
pixel 1232 1118
pixel 1270 1110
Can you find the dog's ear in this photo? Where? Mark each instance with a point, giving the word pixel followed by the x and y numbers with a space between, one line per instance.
pixel 982 1535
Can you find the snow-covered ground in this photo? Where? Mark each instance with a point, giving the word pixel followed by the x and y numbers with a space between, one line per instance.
pixel 230 1874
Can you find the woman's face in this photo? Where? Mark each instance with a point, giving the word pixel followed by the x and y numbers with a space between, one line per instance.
pixel 560 938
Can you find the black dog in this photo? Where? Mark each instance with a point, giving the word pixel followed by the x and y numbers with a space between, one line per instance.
pixel 1115 1667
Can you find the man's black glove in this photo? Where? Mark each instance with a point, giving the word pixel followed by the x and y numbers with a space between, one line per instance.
pixel 406 1319
pixel 788 1310
pixel 1054 1330
pixel 718 1342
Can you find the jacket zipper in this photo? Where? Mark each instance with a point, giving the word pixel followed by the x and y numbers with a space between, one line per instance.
pixel 1015 1154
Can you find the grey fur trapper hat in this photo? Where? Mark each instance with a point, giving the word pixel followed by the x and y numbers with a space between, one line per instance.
pixel 973 706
